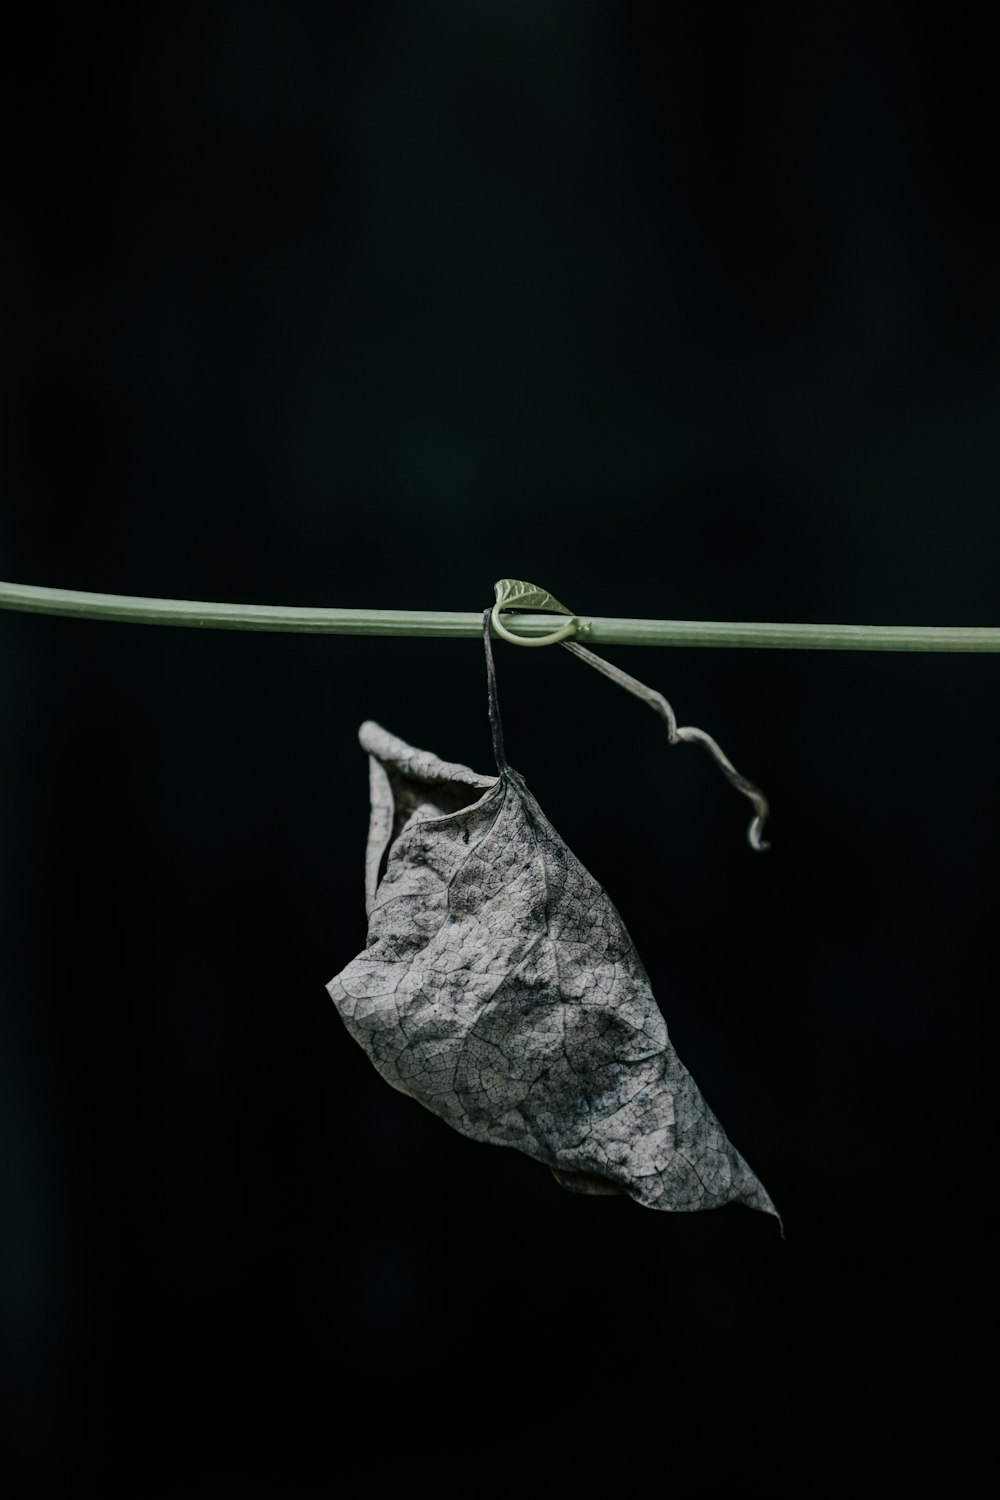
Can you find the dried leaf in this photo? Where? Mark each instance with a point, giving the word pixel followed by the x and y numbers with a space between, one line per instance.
pixel 500 988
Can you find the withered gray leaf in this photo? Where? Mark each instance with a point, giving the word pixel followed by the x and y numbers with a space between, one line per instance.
pixel 500 988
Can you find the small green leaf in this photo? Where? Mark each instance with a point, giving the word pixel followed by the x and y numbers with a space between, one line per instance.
pixel 514 593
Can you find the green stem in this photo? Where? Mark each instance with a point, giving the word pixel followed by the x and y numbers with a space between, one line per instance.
pixel 594 630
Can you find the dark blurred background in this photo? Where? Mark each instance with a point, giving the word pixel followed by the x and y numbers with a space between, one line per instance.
pixel 679 310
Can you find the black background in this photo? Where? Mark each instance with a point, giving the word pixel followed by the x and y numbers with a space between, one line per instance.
pixel 679 310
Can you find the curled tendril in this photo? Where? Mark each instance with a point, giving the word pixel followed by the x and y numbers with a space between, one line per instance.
pixel 687 734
